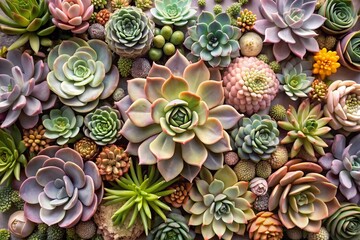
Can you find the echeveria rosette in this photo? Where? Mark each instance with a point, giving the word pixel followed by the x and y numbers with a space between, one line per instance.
pixel 348 50
pixel 129 32
pixel 296 78
pixel 173 12
pixel 60 188
pixel 213 39
pixel 24 92
pixel 62 124
pixel 220 205
pixel 29 19
pixel 103 125
pixel 340 16
pixel 256 137
pixel 71 14
pixel 306 129
pixel 175 118
pixel 290 26
pixel 11 154
pixel 343 167
pixel 344 224
pixel 343 106
pixel 82 73
pixel 303 197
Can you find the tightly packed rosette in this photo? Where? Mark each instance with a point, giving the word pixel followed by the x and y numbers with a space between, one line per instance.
pixel 82 73
pixel 266 225
pixel 302 195
pixel 71 14
pixel 348 50
pixel 60 188
pixel 343 105
pixel 175 118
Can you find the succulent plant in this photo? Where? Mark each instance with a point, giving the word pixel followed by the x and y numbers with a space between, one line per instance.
pixel 82 73
pixel 102 17
pixel 277 112
pixel 5 234
pixel 24 93
pixel 213 40
pixel 326 63
pixel 326 41
pixel 175 118
pixel 11 154
pixel 340 16
pixel 29 19
pixel 251 44
pixel 116 4
pixel 343 110
pixel 19 225
pixel 256 137
pixel 261 203
pixel 258 186
pixel 279 157
pixel 245 170
pixel 296 78
pixel 246 20
pixel 71 15
pixel 86 229
pixel 342 166
pixel 290 26
pixel 306 129
pixel 113 162
pixel 266 225
pixel 87 148
pixel 103 125
pixel 176 12
pixel 143 4
pixel 319 90
pixel 129 32
pixel 253 89
pixel 35 140
pixel 141 193
pixel 60 188
pixel 220 205
pixel 62 124
pixel 348 50
pixel 302 195
pixel 174 228
pixel 344 223
pixel 180 195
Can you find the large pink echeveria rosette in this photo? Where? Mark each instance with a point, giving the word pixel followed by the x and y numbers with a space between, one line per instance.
pixel 348 50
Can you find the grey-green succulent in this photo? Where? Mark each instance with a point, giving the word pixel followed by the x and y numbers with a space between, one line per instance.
pixel 129 32
pixel 213 40
pixel 62 124
pixel 256 137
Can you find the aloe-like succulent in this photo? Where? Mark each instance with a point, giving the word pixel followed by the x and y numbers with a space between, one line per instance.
pixel 11 154
pixel 175 118
pixel 173 12
pixel 62 124
pixel 302 195
pixel 29 19
pixel 103 125
pixel 60 188
pixel 306 129
pixel 256 137
pixel 348 50
pixel 71 15
pixel 340 16
pixel 213 39
pixel 129 32
pixel 342 166
pixel 290 26
pixel 141 192
pixel 296 78
pixel 82 73
pixel 220 205
pixel 24 93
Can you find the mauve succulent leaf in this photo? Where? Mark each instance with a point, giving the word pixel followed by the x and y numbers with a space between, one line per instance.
pixel 48 174
pixel 189 172
pixel 73 200
pixel 72 216
pixel 171 168
pixel 209 133
pixel 45 202
pixel 145 155
pixel 226 114
pixel 177 64
pixel 111 81
pixel 211 92
pixel 11 118
pixel 50 190
pixel 136 135
pixel 30 190
pixel 75 173
pixel 69 155
pixel 86 193
pixel 90 169
pixel 34 165
pixel 136 88
pixel 153 88
pixel 51 217
pixel 214 161
pixel 140 113
pixel 32 212
pixel 223 145
pixel 159 71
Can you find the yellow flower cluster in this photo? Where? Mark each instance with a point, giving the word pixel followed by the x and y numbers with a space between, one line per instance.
pixel 326 63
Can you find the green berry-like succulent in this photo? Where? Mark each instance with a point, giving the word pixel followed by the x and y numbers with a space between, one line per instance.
pixel 275 66
pixel 143 4
pixel 217 9
pixel 264 58
pixel 277 112
pixel 201 3
pixel 234 10
pixel 99 4
pixel 124 66
pixel 4 234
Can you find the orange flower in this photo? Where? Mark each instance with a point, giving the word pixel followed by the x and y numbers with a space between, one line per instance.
pixel 326 63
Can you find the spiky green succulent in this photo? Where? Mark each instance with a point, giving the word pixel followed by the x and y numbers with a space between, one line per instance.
pixel 306 129
pixel 220 205
pixel 256 137
pixel 213 40
pixel 296 78
pixel 62 124
pixel 29 19
pixel 176 12
pixel 141 192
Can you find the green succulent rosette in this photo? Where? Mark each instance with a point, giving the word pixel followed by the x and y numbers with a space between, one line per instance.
pixel 348 50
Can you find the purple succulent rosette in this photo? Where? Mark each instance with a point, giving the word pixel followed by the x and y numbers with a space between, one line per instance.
pixel 60 188
pixel 343 166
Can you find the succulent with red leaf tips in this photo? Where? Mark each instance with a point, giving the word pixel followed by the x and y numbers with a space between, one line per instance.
pixel 266 225
pixel 302 195
pixel 60 188
pixel 71 14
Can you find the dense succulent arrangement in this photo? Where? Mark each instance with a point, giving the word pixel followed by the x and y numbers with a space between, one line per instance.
pixel 180 119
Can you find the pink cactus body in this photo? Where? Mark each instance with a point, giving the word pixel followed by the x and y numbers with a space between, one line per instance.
pixel 250 85
pixel 71 14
